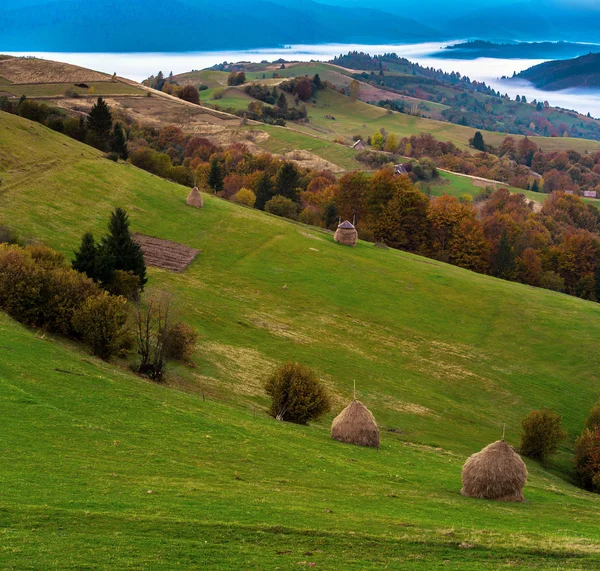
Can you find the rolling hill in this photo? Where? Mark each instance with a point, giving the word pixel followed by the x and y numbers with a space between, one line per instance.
pixel 579 73
pixel 101 468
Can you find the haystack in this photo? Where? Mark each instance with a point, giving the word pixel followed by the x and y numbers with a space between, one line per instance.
pixel 346 234
pixel 356 425
pixel 495 473
pixel 195 198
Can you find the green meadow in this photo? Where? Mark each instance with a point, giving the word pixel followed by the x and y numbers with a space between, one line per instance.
pixel 102 469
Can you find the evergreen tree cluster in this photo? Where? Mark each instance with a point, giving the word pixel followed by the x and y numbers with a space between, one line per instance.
pixel 116 252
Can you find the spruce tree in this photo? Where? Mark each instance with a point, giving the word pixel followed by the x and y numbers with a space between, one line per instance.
pixel 85 257
pixel 317 81
pixel 215 176
pixel 118 143
pixel 119 244
pixel 282 102
pixel 99 124
pixel 505 258
pixel 535 186
pixel 264 191
pixel 478 142
pixel 287 180
pixel 94 260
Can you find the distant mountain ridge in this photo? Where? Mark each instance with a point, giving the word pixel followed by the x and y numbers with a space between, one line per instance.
pixel 196 25
pixel 517 50
pixel 582 72
pixel 531 21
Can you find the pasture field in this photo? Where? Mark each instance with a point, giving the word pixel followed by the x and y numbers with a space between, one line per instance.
pixel 44 90
pixel 103 469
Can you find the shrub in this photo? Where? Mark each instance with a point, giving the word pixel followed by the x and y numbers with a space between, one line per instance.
pixel 45 257
pixel 125 284
pixel 593 420
pixel 587 459
pixel 245 196
pixel 297 394
pixel 282 206
pixel 7 235
pixel 101 323
pixel 311 217
pixel 180 341
pixel 190 93
pixel 542 433
pixel 37 289
pixel 152 324
pixel 551 280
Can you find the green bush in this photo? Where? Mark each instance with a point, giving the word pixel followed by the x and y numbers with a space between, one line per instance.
pixel 38 289
pixel 180 341
pixel 282 206
pixel 126 284
pixel 7 235
pixel 587 459
pixel 101 323
pixel 593 420
pixel 542 434
pixel 297 394
pixel 244 196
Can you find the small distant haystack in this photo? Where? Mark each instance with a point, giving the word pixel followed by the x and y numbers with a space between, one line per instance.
pixel 495 473
pixel 346 234
pixel 195 198
pixel 356 425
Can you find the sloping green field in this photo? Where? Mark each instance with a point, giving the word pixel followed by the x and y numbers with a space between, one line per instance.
pixel 103 470
pixel 353 118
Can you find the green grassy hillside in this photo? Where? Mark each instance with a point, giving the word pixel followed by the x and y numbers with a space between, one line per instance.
pixel 442 356
pixel 351 116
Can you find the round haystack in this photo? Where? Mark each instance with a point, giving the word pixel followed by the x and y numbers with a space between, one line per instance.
pixel 346 234
pixel 195 198
pixel 495 473
pixel 356 425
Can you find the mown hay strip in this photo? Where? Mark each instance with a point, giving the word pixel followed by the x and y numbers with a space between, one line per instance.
pixel 165 254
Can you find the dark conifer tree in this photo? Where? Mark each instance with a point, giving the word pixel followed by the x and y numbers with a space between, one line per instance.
pixel 264 191
pixel 478 142
pixel 85 257
pixel 330 217
pixel 120 245
pixel 282 102
pixel 160 81
pixel 215 176
pixel 535 186
pixel 287 180
pixel 94 260
pixel 118 143
pixel 99 124
pixel 317 81
pixel 505 258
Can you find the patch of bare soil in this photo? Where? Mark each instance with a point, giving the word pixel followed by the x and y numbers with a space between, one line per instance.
pixel 165 254
pixel 33 70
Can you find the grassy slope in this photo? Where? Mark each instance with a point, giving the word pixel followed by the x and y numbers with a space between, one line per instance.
pixel 232 490
pixel 34 90
pixel 350 118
